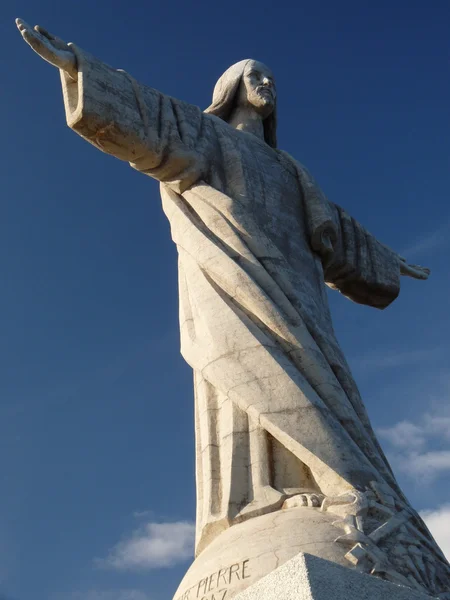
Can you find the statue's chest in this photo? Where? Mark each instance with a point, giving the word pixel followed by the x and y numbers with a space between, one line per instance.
pixel 273 193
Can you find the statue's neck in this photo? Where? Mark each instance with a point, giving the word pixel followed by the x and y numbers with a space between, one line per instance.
pixel 247 119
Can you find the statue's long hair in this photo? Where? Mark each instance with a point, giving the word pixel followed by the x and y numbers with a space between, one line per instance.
pixel 224 100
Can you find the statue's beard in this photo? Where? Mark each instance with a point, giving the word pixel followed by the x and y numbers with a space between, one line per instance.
pixel 263 101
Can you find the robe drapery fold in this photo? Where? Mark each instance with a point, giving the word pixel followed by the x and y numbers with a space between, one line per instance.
pixel 277 409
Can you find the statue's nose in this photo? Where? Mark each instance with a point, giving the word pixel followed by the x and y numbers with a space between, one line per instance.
pixel 266 81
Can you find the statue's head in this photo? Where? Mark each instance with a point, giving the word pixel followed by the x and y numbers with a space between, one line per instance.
pixel 247 83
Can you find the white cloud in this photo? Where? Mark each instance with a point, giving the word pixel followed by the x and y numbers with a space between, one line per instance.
pixel 404 435
pixel 381 359
pixel 438 522
pixel 152 546
pixel 129 594
pixel 430 242
pixel 411 444
pixel 439 425
pixel 426 465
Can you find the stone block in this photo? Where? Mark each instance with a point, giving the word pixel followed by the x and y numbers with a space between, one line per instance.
pixel 307 577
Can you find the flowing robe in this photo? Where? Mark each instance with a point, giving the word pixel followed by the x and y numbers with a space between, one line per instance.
pixel 276 408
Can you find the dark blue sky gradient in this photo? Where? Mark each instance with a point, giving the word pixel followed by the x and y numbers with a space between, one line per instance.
pixel 96 411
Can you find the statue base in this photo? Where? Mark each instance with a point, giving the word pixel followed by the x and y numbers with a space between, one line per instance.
pixel 345 547
pixel 248 551
pixel 307 577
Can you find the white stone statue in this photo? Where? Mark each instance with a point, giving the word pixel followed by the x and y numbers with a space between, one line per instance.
pixel 287 460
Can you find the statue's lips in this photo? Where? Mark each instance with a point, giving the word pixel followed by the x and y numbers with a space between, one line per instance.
pixel 265 93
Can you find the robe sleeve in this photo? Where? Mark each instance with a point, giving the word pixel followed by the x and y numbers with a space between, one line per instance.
pixel 158 135
pixel 355 262
pixel 361 267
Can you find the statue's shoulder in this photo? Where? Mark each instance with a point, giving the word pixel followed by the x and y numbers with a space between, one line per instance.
pixel 291 164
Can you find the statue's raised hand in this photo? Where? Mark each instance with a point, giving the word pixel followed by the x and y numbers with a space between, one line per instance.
pixel 49 47
pixel 415 271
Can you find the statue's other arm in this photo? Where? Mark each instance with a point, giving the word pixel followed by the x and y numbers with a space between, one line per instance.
pixel 158 135
pixel 354 261
pixel 363 268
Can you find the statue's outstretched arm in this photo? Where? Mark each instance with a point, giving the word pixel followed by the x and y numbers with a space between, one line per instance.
pixel 49 47
pixel 342 244
pixel 160 136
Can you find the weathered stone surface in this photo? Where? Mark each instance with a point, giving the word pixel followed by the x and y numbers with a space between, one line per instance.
pixel 281 428
pixel 307 577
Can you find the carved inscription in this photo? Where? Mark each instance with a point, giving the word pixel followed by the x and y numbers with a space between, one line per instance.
pixel 216 585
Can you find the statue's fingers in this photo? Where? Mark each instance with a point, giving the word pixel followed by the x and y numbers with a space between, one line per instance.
pixel 421 273
pixel 30 38
pixel 54 39
pixel 22 26
pixel 44 32
pixel 48 35
pixel 28 33
pixel 38 44
pixel 415 271
pixel 421 269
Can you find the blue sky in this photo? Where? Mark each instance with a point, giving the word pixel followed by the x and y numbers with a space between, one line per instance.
pixel 96 411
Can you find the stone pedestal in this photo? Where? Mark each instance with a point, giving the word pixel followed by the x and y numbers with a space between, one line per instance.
pixel 248 551
pixel 302 548
pixel 307 577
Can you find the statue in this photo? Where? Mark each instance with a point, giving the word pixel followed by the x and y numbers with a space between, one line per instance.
pixel 283 441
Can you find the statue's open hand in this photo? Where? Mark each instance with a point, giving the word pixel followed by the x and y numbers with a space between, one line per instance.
pixel 415 271
pixel 49 47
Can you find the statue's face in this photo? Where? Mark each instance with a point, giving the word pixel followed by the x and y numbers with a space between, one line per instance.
pixel 257 88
